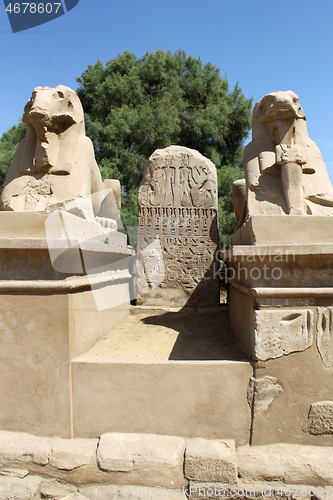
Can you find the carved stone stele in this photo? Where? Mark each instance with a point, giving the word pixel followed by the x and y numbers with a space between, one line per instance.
pixel 178 211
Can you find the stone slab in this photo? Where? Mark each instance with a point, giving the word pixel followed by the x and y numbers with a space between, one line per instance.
pixel 280 332
pixel 69 454
pixel 211 460
pixel 12 488
pixel 142 397
pixel 21 448
pixel 320 419
pixel 282 229
pixel 298 464
pixel 149 459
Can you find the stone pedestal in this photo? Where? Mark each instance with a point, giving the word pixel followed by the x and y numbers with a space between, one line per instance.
pixel 281 309
pixel 49 318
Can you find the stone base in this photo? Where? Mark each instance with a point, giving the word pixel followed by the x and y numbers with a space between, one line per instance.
pixel 284 230
pixel 280 303
pixel 120 466
pixel 51 311
pixel 183 398
pixel 41 333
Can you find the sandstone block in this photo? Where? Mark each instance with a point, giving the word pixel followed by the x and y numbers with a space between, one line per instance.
pixel 13 488
pixel 149 458
pixel 69 454
pixel 53 490
pixel 293 464
pixel 211 460
pixel 320 420
pixel 278 333
pixel 19 447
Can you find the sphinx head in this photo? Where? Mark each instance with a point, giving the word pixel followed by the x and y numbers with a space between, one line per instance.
pixel 53 109
pixel 275 116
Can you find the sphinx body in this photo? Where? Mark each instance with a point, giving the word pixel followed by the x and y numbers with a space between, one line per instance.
pixel 55 162
pixel 284 170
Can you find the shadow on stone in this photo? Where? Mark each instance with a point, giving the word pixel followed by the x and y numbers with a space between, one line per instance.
pixel 203 335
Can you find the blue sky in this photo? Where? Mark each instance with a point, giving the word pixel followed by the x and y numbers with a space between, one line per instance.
pixel 262 44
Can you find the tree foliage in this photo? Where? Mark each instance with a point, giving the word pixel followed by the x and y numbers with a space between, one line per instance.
pixel 8 144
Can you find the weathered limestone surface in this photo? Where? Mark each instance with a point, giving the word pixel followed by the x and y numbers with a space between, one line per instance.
pixel 281 462
pixel 178 217
pixel 13 488
pixel 21 448
pixel 262 392
pixel 278 333
pixel 74 459
pixel 305 380
pixel 213 468
pixel 325 335
pixel 73 453
pixel 52 489
pixel 320 419
pixel 211 460
pixel 156 458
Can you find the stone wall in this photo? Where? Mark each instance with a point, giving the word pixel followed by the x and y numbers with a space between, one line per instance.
pixel 152 466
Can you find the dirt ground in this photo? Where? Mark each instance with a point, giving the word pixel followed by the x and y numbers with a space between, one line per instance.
pixel 170 334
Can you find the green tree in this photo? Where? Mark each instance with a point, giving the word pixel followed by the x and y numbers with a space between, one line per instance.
pixel 136 105
pixel 8 144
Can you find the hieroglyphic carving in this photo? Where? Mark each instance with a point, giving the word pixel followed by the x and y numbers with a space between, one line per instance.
pixel 178 199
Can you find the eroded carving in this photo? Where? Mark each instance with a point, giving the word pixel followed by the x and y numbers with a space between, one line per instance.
pixel 178 199
pixel 325 335
pixel 278 333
